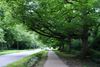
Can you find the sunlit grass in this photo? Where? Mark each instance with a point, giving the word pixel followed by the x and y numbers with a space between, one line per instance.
pixel 24 62
pixel 3 52
pixel 9 51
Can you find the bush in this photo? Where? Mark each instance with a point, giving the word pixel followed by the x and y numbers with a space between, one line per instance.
pixel 95 44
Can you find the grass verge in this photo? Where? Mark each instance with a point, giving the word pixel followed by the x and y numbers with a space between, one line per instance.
pixel 42 60
pixel 9 51
pixel 73 61
pixel 28 61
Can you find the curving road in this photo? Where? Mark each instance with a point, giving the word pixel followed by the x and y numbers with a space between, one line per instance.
pixel 9 58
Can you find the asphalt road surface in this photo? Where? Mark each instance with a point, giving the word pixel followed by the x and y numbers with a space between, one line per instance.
pixel 9 58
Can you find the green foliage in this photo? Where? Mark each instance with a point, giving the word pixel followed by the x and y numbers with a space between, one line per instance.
pixel 2 35
pixel 95 44
pixel 58 22
pixel 14 34
pixel 3 52
pixel 76 45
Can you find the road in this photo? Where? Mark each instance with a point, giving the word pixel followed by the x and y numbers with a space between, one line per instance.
pixel 9 58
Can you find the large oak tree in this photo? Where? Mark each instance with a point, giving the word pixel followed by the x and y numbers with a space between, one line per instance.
pixel 60 19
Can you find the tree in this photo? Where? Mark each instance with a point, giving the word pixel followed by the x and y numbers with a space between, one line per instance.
pixel 58 19
pixel 10 34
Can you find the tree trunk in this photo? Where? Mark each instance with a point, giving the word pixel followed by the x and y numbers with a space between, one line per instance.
pixel 61 45
pixel 62 48
pixel 69 44
pixel 2 48
pixel 84 50
pixel 17 45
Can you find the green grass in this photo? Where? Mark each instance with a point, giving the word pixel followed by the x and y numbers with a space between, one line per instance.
pixel 42 60
pixel 65 55
pixel 95 54
pixel 9 51
pixel 3 52
pixel 73 60
pixel 24 62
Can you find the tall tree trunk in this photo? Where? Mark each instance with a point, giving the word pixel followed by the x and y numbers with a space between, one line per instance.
pixel 2 48
pixel 84 50
pixel 61 45
pixel 62 48
pixel 69 44
pixel 17 45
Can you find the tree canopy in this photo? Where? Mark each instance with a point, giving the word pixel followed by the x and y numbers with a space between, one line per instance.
pixel 61 21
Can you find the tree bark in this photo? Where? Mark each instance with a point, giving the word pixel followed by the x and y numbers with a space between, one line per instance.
pixel 61 45
pixel 69 44
pixel 84 50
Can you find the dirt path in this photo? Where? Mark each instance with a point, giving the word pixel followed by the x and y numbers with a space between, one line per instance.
pixel 54 61
pixel 9 58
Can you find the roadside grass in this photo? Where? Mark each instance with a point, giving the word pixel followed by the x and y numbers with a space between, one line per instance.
pixel 3 52
pixel 74 61
pixel 42 60
pixel 9 51
pixel 95 55
pixel 28 61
